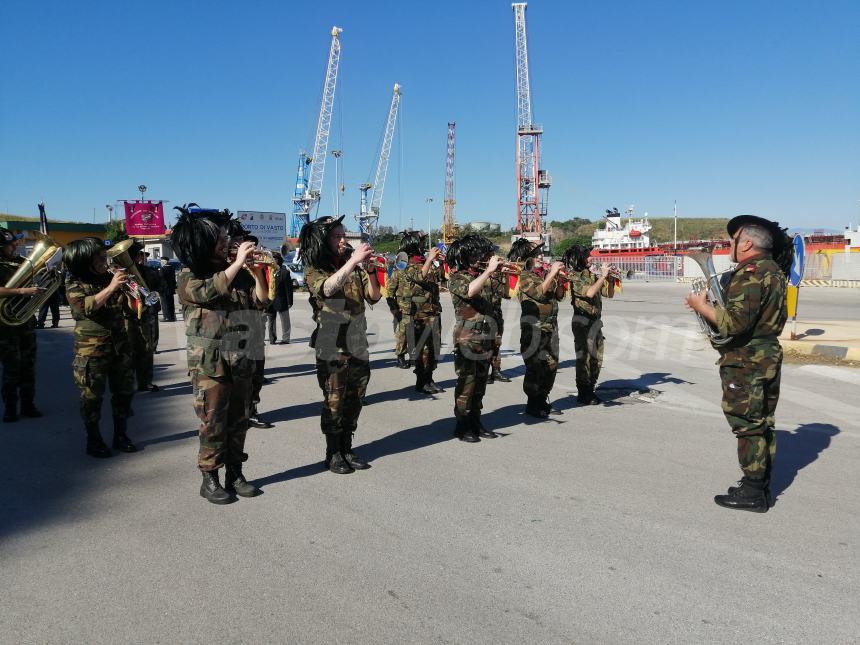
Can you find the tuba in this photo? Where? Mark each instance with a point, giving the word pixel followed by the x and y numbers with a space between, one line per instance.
pixel 710 284
pixel 39 269
pixel 139 290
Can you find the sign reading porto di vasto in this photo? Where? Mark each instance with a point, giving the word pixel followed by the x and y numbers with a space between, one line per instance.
pixel 269 228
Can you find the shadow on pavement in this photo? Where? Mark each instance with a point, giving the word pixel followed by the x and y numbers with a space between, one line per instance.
pixel 796 450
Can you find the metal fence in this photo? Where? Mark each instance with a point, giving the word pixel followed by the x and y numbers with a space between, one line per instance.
pixel 651 267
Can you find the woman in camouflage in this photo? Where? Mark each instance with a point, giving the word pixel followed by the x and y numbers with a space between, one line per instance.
pixel 538 291
pixel 339 286
pixel 221 303
pixel 474 331
pixel 100 309
pixel 586 289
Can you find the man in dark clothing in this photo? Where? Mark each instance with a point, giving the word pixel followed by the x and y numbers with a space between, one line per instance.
pixel 282 300
pixel 52 303
pixel 168 289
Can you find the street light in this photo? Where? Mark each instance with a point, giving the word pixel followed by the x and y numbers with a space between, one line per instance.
pixel 110 212
pixel 142 189
pixel 429 201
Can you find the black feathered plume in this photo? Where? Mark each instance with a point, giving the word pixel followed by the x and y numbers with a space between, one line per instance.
pixel 413 243
pixel 472 249
pixel 313 242
pixel 576 257
pixel 195 236
pixel 522 250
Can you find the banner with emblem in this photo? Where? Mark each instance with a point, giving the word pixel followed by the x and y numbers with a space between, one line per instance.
pixel 144 218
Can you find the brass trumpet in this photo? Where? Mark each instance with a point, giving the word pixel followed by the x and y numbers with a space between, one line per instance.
pixel 256 258
pixel 511 268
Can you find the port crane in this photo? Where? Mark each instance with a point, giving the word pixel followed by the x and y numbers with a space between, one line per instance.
pixel 449 225
pixel 311 169
pixel 368 214
pixel 532 182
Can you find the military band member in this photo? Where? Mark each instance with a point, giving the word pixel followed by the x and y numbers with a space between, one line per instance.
pixel 474 331
pixel 400 348
pixel 751 359
pixel 221 301
pixel 339 288
pixel 539 292
pixel 586 289
pixel 143 327
pixel 418 298
pixel 498 289
pixel 100 308
pixel 17 342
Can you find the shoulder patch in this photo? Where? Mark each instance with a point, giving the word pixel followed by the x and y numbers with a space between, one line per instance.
pixel 750 268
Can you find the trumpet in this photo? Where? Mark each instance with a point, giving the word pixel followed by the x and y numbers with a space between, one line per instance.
pixel 136 290
pixel 614 272
pixel 511 268
pixel 256 258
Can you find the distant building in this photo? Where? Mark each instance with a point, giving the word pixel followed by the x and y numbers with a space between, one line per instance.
pixel 61 232
pixel 486 227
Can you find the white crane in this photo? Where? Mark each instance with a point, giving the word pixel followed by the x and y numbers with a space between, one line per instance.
pixel 311 169
pixel 369 213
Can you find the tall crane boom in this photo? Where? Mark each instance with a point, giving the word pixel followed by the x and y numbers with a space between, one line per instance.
pixel 449 226
pixel 312 169
pixel 532 182
pixel 369 214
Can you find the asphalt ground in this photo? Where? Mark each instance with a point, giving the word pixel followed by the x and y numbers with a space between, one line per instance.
pixel 594 527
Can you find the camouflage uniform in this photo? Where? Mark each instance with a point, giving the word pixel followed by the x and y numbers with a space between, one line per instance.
pixel 102 350
pixel 538 334
pixel 497 291
pixel 587 329
pixel 340 341
pixel 399 323
pixel 750 365
pixel 418 298
pixel 143 331
pixel 474 335
pixel 219 318
pixel 17 351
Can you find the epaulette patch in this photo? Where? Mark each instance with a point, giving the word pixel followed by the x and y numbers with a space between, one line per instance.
pixel 750 268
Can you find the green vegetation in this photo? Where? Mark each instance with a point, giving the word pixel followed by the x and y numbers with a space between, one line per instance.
pixel 116 231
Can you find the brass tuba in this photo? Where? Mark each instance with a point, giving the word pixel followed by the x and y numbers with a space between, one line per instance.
pixel 710 284
pixel 39 269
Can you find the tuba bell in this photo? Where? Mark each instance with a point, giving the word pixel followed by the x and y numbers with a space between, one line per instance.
pixel 118 254
pixel 710 284
pixel 39 269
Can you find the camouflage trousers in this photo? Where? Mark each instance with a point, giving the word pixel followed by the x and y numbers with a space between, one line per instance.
pixel 539 348
pixel 588 342
pixel 400 326
pixel 18 355
pixel 750 395
pixel 93 373
pixel 496 357
pixel 222 404
pixel 343 381
pixel 424 340
pixel 143 334
pixel 472 365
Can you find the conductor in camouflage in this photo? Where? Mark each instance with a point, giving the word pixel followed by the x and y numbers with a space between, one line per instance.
pixel 750 362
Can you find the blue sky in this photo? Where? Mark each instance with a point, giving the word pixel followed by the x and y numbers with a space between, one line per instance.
pixel 730 107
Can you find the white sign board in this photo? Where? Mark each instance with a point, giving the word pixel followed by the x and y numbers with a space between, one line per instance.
pixel 269 228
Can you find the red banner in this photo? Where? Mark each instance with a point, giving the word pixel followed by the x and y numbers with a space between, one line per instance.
pixel 144 218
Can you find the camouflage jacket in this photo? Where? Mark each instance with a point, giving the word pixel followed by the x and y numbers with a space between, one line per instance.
pixel 580 283
pixel 538 309
pixel 391 290
pixel 496 289
pixel 341 325
pixel 417 295
pixel 98 332
pixel 220 322
pixel 474 324
pixel 755 307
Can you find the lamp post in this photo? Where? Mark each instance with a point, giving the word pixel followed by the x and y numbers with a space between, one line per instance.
pixel 142 189
pixel 429 201
pixel 110 212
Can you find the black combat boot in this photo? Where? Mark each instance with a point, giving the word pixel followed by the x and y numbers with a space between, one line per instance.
pixel 478 426
pixel 436 387
pixel 465 430
pixel 211 489
pixel 255 421
pixel 96 446
pixel 496 375
pixel 422 384
pixel 535 408
pixel 549 409
pixel 401 362
pixel 751 495
pixel 334 460
pixel 235 482
pixel 121 441
pixel 349 456
pixel 29 409
pixel 10 415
